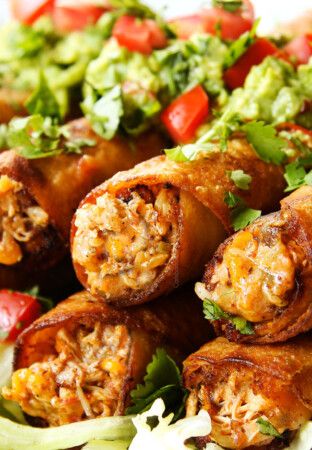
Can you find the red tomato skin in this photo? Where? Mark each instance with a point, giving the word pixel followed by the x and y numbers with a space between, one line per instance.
pixel 132 34
pixel 75 18
pixel 28 11
pixel 231 25
pixel 17 312
pixel 290 126
pixel 139 35
pixel 235 76
pixel 185 114
pixel 301 48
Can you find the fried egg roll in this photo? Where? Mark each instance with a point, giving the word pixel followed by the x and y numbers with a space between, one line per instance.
pixel 82 359
pixel 38 197
pixel 148 230
pixel 264 274
pixel 241 386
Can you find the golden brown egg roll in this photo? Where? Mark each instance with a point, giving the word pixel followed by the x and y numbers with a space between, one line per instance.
pixel 240 384
pixel 38 197
pixel 264 274
pixel 82 359
pixel 148 230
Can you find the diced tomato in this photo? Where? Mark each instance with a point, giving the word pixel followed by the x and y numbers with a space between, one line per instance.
pixel 185 114
pixel 230 25
pixel 17 311
pixel 28 11
pixel 292 127
pixel 76 17
pixel 301 48
pixel 235 76
pixel 139 35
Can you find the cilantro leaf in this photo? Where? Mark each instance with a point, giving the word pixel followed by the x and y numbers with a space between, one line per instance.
pixel 104 114
pixel 228 5
pixel 212 312
pixel 189 152
pixel 265 141
pixel 134 7
pixel 41 137
pixel 162 380
pixel 240 46
pixel 241 179
pixel 296 175
pixel 46 303
pixel 241 214
pixel 232 200
pixel 42 100
pixel 268 429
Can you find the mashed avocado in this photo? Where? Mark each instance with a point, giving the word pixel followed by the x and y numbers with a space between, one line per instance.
pixel 270 93
pixel 25 51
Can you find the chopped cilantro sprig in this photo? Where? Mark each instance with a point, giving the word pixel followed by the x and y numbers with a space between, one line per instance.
pixel 228 5
pixel 268 429
pixel 36 137
pixel 241 214
pixel 212 312
pixel 162 380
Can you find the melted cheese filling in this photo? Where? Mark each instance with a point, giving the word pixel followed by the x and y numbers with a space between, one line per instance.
pixel 21 219
pixel 254 277
pixel 124 243
pixel 83 379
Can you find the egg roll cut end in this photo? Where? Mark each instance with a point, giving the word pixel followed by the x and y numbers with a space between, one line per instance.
pixel 123 242
pixel 81 378
pixel 25 227
pixel 255 273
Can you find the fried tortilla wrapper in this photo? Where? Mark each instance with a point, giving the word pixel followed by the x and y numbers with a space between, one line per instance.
pixel 239 384
pixel 82 359
pixel 263 274
pixel 38 197
pixel 12 104
pixel 148 230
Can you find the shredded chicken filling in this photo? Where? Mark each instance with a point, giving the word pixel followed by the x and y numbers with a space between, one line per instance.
pixel 124 242
pixel 255 277
pixel 234 408
pixel 83 379
pixel 21 220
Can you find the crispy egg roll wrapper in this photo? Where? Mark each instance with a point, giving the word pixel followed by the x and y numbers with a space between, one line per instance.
pixel 105 349
pixel 239 384
pixel 44 193
pixel 12 104
pixel 184 201
pixel 264 274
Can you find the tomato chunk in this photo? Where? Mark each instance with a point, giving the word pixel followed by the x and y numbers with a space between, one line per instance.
pixel 185 114
pixel 235 76
pixel 28 11
pixel 230 24
pixel 17 312
pixel 301 48
pixel 139 35
pixel 292 127
pixel 73 18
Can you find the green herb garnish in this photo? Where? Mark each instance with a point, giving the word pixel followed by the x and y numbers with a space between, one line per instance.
pixel 241 214
pixel 212 312
pixel 43 101
pixel 265 141
pixel 240 46
pixel 241 179
pixel 41 137
pixel 162 380
pixel 268 429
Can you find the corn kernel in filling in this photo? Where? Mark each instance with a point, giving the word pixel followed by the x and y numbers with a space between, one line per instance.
pixel 123 242
pixel 83 379
pixel 256 276
pixel 21 220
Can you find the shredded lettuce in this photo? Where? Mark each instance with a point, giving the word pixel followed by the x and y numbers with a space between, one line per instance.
pixel 15 436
